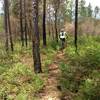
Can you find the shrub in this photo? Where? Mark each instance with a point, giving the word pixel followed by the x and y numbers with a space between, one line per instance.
pixel 19 79
pixel 88 57
pixel 81 75
pixel 91 59
pixel 55 45
pixel 70 78
pixel 90 90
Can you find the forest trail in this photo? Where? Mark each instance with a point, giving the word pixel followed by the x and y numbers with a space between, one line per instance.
pixel 50 91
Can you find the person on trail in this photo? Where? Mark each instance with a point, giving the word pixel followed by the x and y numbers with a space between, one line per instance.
pixel 62 37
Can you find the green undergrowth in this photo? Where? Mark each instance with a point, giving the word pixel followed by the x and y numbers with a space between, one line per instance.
pixel 49 53
pixel 80 76
pixel 18 80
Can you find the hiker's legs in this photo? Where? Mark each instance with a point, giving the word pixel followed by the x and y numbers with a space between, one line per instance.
pixel 63 43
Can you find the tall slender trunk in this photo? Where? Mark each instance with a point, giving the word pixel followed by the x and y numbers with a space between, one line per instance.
pixel 49 28
pixel 59 26
pixel 9 26
pixel 30 29
pixel 25 22
pixel 6 27
pixel 53 30
pixel 44 23
pixel 49 24
pixel 26 34
pixel 56 30
pixel 76 23
pixel 35 39
pixel 21 23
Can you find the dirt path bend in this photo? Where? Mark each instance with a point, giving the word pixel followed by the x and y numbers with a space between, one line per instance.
pixel 50 91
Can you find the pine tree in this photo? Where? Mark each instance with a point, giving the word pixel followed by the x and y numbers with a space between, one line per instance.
pixel 35 39
pixel 76 22
pixel 44 23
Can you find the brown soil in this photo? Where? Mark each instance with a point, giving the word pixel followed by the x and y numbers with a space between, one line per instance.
pixel 50 91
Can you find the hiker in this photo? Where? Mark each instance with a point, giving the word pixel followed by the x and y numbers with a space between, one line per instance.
pixel 62 37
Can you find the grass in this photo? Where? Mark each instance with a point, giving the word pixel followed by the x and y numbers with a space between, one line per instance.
pixel 17 78
pixel 81 75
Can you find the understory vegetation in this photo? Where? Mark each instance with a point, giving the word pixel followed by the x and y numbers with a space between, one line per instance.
pixel 49 50
pixel 80 72
pixel 17 78
pixel 80 76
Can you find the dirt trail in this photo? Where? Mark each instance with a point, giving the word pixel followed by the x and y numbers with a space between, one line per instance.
pixel 50 91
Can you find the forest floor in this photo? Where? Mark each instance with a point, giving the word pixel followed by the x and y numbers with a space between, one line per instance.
pixel 51 90
pixel 66 75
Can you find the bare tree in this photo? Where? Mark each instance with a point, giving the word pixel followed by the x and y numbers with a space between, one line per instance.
pixel 21 22
pixel 6 27
pixel 44 22
pixel 76 22
pixel 25 28
pixel 35 39
pixel 9 26
pixel 56 8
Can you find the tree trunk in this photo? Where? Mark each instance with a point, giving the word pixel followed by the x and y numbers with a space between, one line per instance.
pixel 26 33
pixel 21 23
pixel 35 39
pixel 9 26
pixel 56 31
pixel 6 23
pixel 49 22
pixel 25 22
pixel 44 23
pixel 53 29
pixel 76 23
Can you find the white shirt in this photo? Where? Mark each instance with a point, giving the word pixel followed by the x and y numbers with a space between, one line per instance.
pixel 62 35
